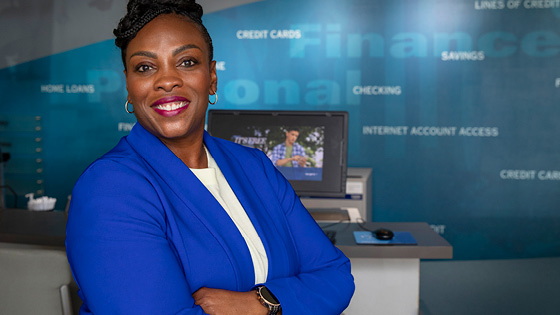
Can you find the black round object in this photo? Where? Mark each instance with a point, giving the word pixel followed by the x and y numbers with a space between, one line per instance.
pixel 383 234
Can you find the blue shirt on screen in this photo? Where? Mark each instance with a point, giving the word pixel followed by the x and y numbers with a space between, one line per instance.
pixel 279 152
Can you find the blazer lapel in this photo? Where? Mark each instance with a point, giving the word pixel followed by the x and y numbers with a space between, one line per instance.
pixel 194 196
pixel 260 203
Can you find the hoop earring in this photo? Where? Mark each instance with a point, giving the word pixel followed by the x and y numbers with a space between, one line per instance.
pixel 126 108
pixel 215 100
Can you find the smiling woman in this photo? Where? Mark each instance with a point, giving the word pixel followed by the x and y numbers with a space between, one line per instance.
pixel 169 78
pixel 175 221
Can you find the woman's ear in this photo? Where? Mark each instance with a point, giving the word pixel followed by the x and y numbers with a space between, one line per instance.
pixel 213 78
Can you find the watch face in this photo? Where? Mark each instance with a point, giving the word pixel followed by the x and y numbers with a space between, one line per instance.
pixel 267 295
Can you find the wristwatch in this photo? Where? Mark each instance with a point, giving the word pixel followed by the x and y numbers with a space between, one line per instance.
pixel 268 300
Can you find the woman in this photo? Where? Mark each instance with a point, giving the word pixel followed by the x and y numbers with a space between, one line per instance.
pixel 174 221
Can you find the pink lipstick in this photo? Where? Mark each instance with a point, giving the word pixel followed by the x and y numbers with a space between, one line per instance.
pixel 171 105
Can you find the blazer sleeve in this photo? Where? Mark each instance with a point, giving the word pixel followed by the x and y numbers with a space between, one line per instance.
pixel 117 248
pixel 324 284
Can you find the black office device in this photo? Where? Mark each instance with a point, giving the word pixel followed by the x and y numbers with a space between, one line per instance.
pixel 383 234
pixel 322 134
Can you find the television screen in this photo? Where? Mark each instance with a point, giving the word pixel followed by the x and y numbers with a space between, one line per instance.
pixel 308 147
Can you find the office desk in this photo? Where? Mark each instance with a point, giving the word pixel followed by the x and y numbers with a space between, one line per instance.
pixel 20 226
pixel 388 277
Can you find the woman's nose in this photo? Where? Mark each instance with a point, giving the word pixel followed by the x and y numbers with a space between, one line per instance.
pixel 168 80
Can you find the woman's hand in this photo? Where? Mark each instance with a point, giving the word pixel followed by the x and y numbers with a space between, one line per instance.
pixel 224 302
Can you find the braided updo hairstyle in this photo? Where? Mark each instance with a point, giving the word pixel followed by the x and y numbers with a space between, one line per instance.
pixel 141 12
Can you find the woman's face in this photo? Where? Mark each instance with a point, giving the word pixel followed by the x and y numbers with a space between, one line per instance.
pixel 169 78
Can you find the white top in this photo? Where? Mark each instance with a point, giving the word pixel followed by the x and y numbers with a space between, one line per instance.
pixel 217 184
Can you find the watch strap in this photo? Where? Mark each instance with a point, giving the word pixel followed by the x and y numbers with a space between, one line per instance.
pixel 273 307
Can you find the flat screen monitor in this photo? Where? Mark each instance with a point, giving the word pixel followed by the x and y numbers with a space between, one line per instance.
pixel 308 147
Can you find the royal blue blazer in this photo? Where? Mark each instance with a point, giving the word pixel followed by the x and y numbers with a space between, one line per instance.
pixel 143 234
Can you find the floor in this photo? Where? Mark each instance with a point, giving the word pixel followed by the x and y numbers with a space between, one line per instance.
pixel 519 286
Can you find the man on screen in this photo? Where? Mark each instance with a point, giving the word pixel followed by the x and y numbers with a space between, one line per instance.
pixel 289 153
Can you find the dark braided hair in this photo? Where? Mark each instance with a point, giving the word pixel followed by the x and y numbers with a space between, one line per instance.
pixel 141 12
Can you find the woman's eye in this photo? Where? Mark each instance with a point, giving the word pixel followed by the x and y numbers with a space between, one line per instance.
pixel 188 63
pixel 143 68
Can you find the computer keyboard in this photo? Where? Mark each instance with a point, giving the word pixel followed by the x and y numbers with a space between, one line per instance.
pixel 329 214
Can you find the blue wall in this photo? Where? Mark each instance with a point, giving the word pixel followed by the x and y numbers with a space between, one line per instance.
pixel 453 104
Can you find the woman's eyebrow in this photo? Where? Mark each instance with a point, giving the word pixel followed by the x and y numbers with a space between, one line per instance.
pixel 145 54
pixel 175 52
pixel 185 47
